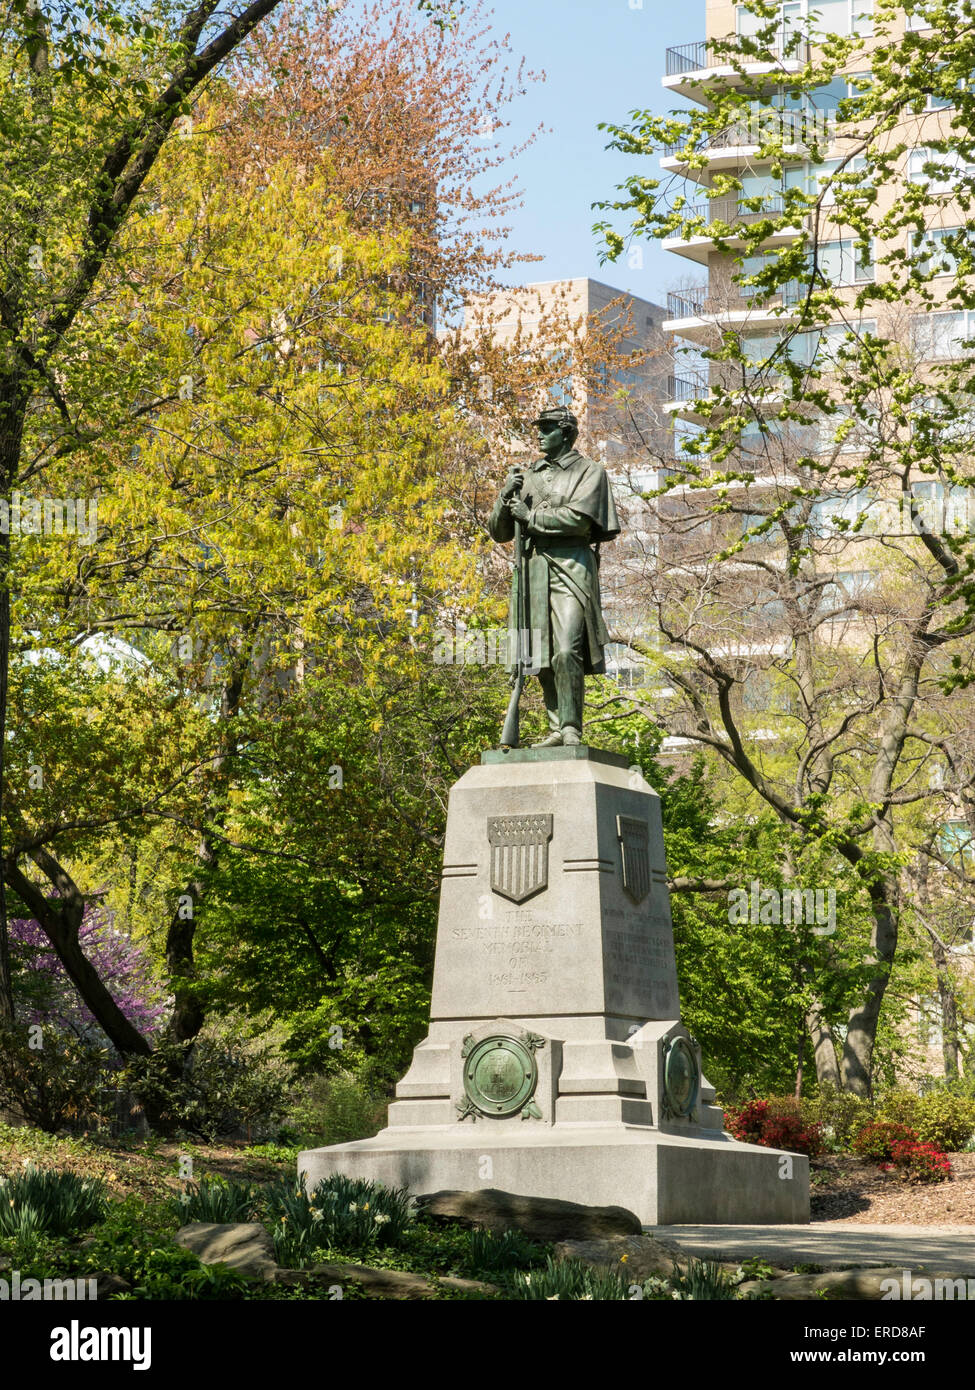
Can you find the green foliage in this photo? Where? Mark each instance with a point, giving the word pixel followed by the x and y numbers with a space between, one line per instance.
pixel 340 1213
pixel 216 1199
pixel 132 1243
pixel 337 1108
pixel 839 1113
pixel 566 1279
pixel 209 1087
pixel 572 1280
pixel 490 1251
pixel 42 1201
pixel 704 1279
pixel 939 1117
pixel 58 1083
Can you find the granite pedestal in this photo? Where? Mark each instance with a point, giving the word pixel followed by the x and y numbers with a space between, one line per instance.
pixel 556 1064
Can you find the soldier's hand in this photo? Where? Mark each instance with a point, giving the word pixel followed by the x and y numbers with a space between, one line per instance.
pixel 518 509
pixel 512 484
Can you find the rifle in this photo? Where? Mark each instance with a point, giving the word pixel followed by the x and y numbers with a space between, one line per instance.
pixel 510 730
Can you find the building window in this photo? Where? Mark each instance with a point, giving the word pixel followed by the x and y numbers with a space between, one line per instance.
pixel 943 509
pixel 818 178
pixel 828 511
pixel 831 16
pixel 844 262
pixel 940 171
pixel 921 19
pixel 935 255
pixel 942 334
pixel 846 587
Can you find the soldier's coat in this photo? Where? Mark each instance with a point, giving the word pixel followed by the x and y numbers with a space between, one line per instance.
pixel 571 507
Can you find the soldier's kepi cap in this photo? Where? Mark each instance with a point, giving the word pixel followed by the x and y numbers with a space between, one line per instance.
pixel 556 415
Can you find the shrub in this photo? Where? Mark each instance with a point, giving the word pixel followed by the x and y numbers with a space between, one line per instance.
pixel 945 1120
pixel 209 1087
pixel 59 1083
pixel 758 1123
pixel 42 1201
pixel 149 1260
pixel 874 1141
pixel 920 1162
pixel 337 1109
pixel 840 1115
pixel 899 1106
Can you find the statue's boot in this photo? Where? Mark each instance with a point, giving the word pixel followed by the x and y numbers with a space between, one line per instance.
pixel 570 736
pixel 553 739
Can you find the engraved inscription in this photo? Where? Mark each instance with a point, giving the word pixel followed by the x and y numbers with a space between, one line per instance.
pixel 519 952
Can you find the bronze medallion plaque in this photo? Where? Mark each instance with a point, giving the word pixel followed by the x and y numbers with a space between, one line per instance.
pixel 682 1079
pixel 500 1074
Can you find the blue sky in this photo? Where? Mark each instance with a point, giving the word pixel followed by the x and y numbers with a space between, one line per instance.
pixel 602 60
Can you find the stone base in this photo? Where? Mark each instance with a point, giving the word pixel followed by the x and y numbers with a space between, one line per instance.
pixel 664 1178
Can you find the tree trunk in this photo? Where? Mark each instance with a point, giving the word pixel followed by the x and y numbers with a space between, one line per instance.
pixel 824 1049
pixel 60 920
pixel 12 411
pixel 949 1009
pixel 857 1064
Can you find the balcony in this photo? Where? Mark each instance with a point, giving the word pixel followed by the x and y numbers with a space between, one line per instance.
pixel 692 68
pixel 698 315
pixel 739 142
pixel 762 392
pixel 682 394
pixel 699 247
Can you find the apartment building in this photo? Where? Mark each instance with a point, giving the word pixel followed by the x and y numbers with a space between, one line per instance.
pixel 708 302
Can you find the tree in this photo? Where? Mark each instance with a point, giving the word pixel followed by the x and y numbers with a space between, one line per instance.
pixel 280 458
pixel 816 616
pixel 76 156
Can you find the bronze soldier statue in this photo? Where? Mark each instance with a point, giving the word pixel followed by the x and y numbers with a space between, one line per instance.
pixel 563 506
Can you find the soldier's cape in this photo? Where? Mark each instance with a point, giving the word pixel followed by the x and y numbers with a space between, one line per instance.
pixel 582 484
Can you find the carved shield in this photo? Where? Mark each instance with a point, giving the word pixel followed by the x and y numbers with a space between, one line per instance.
pixel 634 838
pixel 519 855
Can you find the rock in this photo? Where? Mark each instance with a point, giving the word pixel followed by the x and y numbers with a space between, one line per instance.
pixel 107 1285
pixel 847 1284
pixel 542 1219
pixel 386 1283
pixel 244 1246
pixel 634 1257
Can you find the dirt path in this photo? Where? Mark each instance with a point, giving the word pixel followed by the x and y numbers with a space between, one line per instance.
pixel 851 1190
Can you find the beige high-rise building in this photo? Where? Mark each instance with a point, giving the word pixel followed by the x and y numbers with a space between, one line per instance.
pixel 706 302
